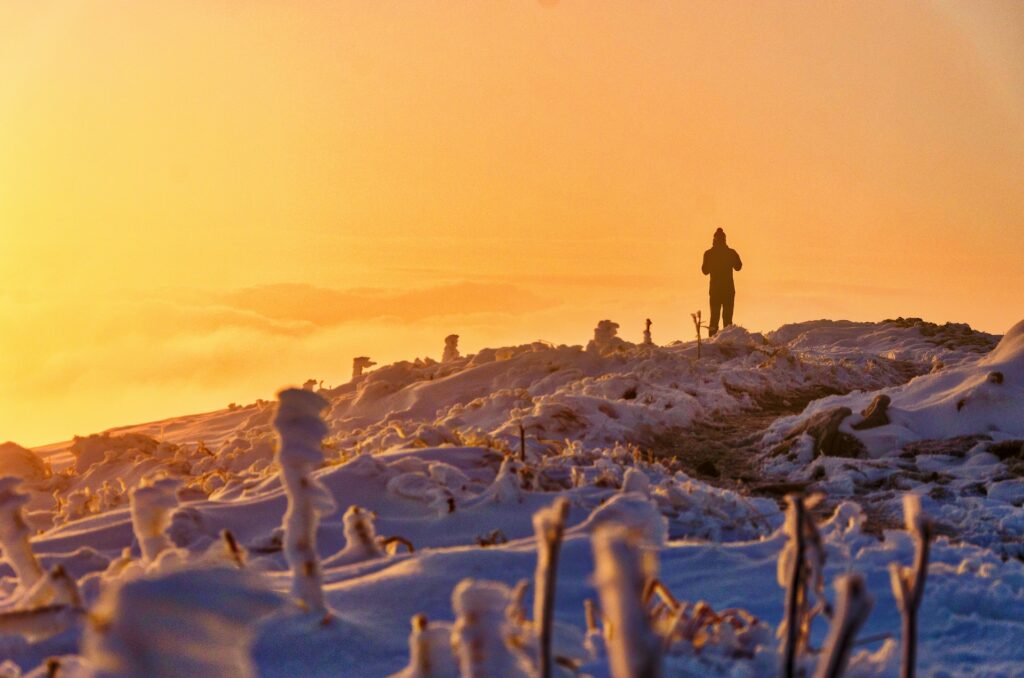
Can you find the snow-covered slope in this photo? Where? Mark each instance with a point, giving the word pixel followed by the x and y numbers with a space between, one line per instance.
pixel 425 484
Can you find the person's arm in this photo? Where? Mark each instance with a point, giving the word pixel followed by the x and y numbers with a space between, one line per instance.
pixel 736 264
pixel 704 267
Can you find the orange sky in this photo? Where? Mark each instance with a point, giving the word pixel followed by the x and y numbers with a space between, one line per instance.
pixel 201 201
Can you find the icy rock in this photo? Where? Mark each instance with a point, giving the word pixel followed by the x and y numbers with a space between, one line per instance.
pixel 876 414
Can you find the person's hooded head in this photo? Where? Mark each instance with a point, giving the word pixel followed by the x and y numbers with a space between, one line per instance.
pixel 719 239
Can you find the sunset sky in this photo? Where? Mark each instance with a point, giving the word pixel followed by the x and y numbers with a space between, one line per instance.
pixel 202 201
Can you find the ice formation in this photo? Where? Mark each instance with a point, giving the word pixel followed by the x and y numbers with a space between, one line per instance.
pixel 301 429
pixel 151 508
pixel 451 348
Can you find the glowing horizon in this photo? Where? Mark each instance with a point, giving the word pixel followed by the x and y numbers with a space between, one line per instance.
pixel 506 172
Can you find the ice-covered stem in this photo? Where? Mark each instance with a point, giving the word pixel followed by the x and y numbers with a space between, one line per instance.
pixel 451 348
pixel 522 442
pixel 301 430
pixel 621 569
pixel 908 583
pixel 549 525
pixel 647 334
pixel 151 509
pixel 187 623
pixel 482 631
pixel 795 594
pixel 697 326
pixel 854 606
pixel 15 533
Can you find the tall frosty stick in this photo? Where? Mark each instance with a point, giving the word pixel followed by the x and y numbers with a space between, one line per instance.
pixel 301 429
pixel 908 583
pixel 14 533
pixel 549 524
pixel 854 606
pixel 622 567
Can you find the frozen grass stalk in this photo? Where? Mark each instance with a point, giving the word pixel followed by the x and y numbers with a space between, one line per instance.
pixel 301 430
pixel 854 606
pixel 622 566
pixel 549 525
pixel 697 326
pixel 908 583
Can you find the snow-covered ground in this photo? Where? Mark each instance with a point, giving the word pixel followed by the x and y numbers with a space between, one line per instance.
pixel 176 556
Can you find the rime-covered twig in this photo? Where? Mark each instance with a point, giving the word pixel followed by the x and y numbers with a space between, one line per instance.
pixel 15 534
pixel 908 583
pixel 301 430
pixel 621 569
pixel 854 606
pixel 549 525
pixel 794 585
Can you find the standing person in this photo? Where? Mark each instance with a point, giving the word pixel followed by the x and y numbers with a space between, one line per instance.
pixel 719 263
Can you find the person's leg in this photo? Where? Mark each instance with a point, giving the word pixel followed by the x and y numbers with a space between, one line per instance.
pixel 728 301
pixel 716 310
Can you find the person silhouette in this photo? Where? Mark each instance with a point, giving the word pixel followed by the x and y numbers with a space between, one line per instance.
pixel 719 263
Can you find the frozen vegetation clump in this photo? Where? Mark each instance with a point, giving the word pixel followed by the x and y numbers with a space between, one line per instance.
pixel 186 623
pixel 483 634
pixel 15 534
pixel 301 430
pixel 451 349
pixel 152 508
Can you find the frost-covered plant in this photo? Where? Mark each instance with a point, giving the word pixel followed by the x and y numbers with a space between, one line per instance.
pixel 647 334
pixel 622 567
pixel 908 582
pixel 15 534
pixel 801 573
pixel 359 364
pixel 187 623
pixel 430 651
pixel 361 540
pixel 549 526
pixel 152 508
pixel 853 606
pixel 483 635
pixel 697 327
pixel 451 348
pixel 301 430
pixel 506 488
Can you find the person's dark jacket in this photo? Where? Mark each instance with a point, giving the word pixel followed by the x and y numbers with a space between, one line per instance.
pixel 719 262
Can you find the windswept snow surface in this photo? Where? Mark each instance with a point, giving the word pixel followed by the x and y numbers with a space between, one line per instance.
pixel 430 454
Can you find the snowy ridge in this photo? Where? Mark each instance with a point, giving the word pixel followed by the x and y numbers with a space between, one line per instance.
pixel 423 485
